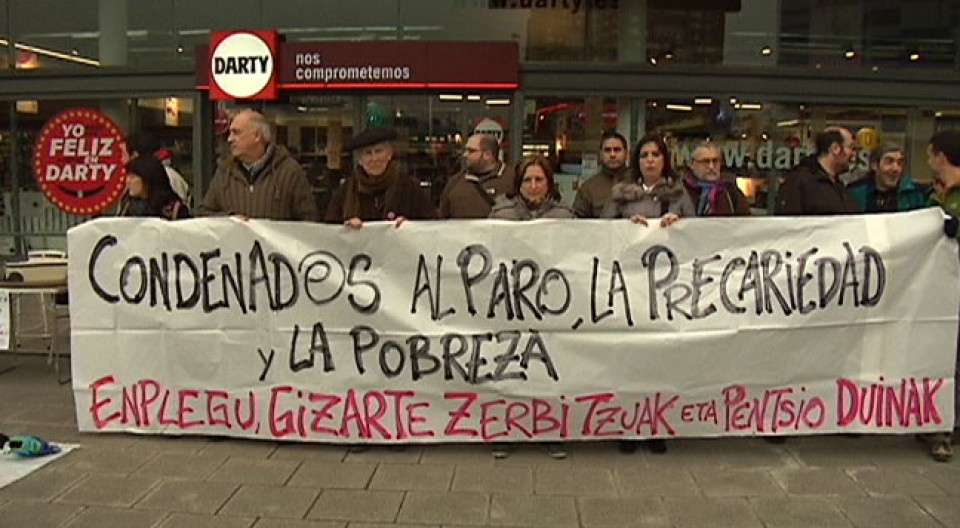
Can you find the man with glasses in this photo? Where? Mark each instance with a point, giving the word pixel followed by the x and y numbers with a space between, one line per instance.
pixel 814 187
pixel 471 193
pixel 593 194
pixel 710 192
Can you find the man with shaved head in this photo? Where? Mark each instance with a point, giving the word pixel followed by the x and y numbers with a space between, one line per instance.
pixel 259 179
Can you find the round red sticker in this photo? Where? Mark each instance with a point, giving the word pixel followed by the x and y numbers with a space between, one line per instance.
pixel 78 161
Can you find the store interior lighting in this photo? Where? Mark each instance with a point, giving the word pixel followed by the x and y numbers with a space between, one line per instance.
pixel 914 57
pixel 451 97
pixel 766 51
pixel 849 53
pixel 702 101
pixel 473 97
pixel 679 107
pixel 498 102
pixel 751 106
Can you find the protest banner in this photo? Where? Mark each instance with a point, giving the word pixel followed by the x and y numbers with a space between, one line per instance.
pixel 488 330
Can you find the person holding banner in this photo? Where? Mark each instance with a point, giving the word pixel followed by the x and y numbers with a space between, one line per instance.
pixel 149 193
pixel 652 190
pixel 260 179
pixel 943 157
pixel 472 193
pixel 592 195
pixel 710 192
pixel 377 190
pixel 814 186
pixel 534 194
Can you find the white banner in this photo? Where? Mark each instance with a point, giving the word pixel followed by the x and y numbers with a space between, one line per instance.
pixel 489 330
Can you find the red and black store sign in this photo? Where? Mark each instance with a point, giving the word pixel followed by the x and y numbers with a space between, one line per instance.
pixel 439 65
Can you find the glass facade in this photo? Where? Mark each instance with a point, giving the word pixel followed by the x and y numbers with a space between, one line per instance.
pixel 760 77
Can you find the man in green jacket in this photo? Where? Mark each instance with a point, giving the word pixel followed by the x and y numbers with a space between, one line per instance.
pixel 886 189
pixel 943 156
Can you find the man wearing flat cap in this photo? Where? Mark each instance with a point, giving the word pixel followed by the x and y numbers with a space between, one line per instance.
pixel 260 179
pixel 886 189
pixel 377 190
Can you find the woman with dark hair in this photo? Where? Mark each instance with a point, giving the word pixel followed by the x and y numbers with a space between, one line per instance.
pixel 534 194
pixel 149 192
pixel 653 190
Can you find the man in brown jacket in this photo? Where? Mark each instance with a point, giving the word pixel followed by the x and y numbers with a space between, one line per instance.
pixel 260 179
pixel 471 193
pixel 593 194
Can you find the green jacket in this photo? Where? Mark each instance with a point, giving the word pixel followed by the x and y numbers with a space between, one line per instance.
pixel 909 195
pixel 949 201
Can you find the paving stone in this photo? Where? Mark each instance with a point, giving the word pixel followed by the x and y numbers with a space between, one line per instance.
pixel 184 445
pixel 333 475
pixel 798 512
pixel 655 482
pixel 99 517
pixel 456 454
pixel 104 461
pixel 686 454
pixel 693 512
pixel 531 454
pixel 574 480
pixel 288 523
pixel 182 465
pixel 188 496
pixel 270 501
pixel 888 481
pixel 234 447
pixel 944 509
pixel 947 476
pixel 255 471
pixel 192 520
pixel 310 452
pixel 42 485
pixel 32 514
pixel 412 477
pixel 883 512
pixel 740 453
pixel 381 525
pixel 438 508
pixel 350 505
pixel 394 455
pixel 533 510
pixel 816 481
pixel 490 479
pixel 736 482
pixel 614 513
pixel 109 490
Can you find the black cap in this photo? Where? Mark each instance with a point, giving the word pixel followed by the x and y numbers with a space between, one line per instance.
pixel 371 136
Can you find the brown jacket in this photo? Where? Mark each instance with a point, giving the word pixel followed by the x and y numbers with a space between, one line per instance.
pixel 462 199
pixel 411 202
pixel 594 193
pixel 280 192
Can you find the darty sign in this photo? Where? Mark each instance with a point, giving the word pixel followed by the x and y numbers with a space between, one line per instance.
pixel 242 65
pixel 372 65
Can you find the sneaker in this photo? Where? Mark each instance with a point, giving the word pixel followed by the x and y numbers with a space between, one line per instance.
pixel 628 446
pixel 501 451
pixel 555 450
pixel 657 447
pixel 942 451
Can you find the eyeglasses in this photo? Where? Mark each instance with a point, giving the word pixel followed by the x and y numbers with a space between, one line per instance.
pixel 709 161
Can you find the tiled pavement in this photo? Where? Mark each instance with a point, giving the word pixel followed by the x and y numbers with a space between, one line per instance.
pixel 120 480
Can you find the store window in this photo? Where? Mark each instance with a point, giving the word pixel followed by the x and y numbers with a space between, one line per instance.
pixel 28 219
pixel 761 140
pixel 567 131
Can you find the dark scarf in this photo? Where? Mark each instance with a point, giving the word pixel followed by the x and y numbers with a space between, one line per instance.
pixel 710 193
pixel 137 207
pixel 363 183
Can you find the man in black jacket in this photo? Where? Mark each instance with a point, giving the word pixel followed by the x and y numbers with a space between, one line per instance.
pixel 814 187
